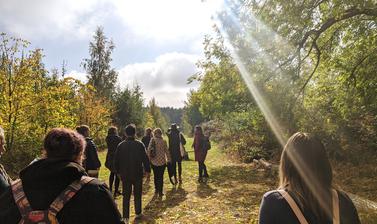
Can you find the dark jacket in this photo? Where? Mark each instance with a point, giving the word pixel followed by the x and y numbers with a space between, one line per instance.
pixel 175 138
pixel 130 158
pixel 45 179
pixel 146 140
pixel 275 209
pixel 112 142
pixel 91 161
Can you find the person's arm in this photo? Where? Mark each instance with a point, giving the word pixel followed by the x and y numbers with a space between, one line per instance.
pixel 116 158
pixel 183 140
pixel 145 159
pixel 167 152
pixel 267 211
pixel 150 147
pixel 349 214
pixel 94 150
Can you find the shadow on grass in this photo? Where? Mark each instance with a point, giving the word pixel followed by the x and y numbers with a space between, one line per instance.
pixel 157 206
pixel 204 190
pixel 228 176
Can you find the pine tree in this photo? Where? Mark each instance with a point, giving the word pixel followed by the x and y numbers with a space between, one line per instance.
pixel 100 73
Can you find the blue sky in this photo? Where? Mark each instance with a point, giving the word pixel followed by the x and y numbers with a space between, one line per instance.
pixel 157 42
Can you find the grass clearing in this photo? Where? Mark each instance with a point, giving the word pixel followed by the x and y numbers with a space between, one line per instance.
pixel 231 195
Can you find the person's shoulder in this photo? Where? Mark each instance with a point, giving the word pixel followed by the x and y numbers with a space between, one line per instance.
pixel 272 195
pixel 139 143
pixel 344 199
pixel 95 186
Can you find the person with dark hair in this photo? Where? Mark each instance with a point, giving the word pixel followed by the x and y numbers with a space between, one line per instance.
pixel 5 180
pixel 306 193
pixel 201 146
pixel 130 160
pixel 91 162
pixel 112 141
pixel 147 137
pixel 56 189
pixel 176 138
pixel 159 156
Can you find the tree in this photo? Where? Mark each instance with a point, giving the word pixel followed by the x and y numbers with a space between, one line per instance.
pixel 100 74
pixel 159 121
pixel 32 101
pixel 129 107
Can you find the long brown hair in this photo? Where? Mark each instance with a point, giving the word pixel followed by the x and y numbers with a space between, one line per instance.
pixel 305 171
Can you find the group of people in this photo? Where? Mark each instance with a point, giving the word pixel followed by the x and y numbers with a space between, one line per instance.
pixel 306 192
pixel 130 160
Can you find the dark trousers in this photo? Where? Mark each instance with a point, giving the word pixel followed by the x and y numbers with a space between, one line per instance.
pixel 174 166
pixel 114 179
pixel 127 189
pixel 202 169
pixel 158 174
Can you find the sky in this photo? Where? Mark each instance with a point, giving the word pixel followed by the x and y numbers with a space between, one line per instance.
pixel 157 42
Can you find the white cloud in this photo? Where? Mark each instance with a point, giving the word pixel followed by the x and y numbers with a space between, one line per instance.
pixel 167 19
pixel 78 75
pixel 51 19
pixel 165 78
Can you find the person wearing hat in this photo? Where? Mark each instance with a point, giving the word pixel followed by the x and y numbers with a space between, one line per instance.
pixel 176 138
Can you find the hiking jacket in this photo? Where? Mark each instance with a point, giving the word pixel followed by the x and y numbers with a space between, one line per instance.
pixel 91 161
pixel 45 179
pixel 112 142
pixel 130 159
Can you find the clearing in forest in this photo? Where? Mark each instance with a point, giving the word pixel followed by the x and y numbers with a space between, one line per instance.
pixel 231 195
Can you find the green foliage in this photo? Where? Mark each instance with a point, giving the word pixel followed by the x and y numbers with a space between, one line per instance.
pixel 32 102
pixel 156 118
pixel 313 62
pixel 129 108
pixel 100 73
pixel 174 115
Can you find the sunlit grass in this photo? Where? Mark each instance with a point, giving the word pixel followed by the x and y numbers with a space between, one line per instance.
pixel 232 195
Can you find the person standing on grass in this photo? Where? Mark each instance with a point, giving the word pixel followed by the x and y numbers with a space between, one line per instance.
pixel 130 159
pixel 91 162
pixel 147 137
pixel 112 141
pixel 176 138
pixel 159 156
pixel 201 145
pixel 306 193
pixel 5 180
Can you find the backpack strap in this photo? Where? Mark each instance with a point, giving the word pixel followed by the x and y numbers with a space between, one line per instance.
pixel 293 206
pixel 68 194
pixel 335 207
pixel 20 198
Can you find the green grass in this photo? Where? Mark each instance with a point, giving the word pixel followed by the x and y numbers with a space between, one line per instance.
pixel 231 195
